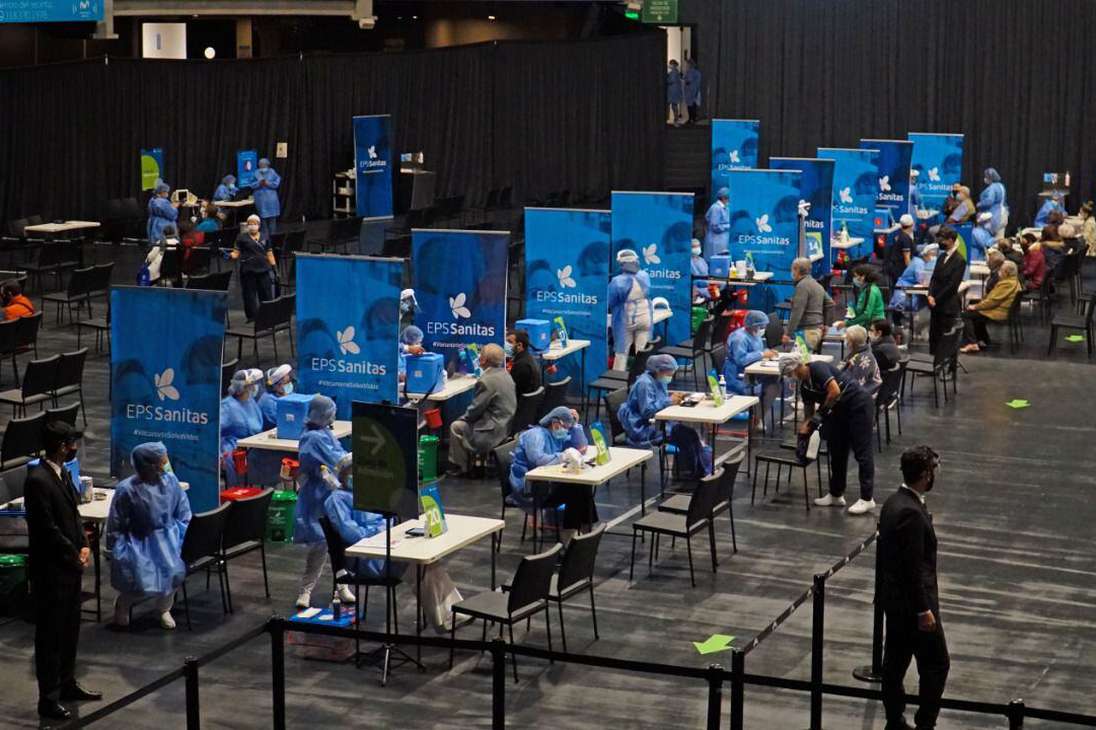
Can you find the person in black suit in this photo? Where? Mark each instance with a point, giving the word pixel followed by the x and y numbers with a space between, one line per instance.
pixel 909 595
pixel 523 366
pixel 59 553
pixel 944 301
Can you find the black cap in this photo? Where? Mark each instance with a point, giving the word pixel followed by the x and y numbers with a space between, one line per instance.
pixel 59 432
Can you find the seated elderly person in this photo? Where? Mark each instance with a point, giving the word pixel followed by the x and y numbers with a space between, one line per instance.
pixel 1035 263
pixel 559 431
pixel 486 423
pixel 994 307
pixel 859 362
pixel 994 259
pixel 1053 246
pixel 883 346
pixel 649 395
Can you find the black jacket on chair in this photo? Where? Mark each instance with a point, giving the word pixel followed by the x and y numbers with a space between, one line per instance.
pixel 944 285
pixel 53 524
pixel 907 556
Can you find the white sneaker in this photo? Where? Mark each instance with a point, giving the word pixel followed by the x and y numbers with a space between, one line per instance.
pixel 304 600
pixel 167 621
pixel 345 595
pixel 830 501
pixel 121 615
pixel 861 506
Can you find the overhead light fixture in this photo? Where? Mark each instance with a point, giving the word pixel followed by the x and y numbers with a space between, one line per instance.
pixel 210 52
pixel 632 9
pixel 414 17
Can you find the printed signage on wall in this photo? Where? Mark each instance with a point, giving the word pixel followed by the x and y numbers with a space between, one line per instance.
pixel 373 166
pixel 816 188
pixel 734 147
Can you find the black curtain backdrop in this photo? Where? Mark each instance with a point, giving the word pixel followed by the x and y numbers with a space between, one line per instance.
pixel 542 117
pixel 1016 76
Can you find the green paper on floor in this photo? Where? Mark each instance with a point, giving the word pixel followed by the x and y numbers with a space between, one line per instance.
pixel 1075 338
pixel 714 643
pixel 1018 403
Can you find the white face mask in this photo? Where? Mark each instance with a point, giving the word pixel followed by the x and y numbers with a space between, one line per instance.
pixel 253 227
pixel 696 252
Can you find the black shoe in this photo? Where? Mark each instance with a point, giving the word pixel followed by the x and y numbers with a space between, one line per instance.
pixel 901 725
pixel 76 693
pixel 53 710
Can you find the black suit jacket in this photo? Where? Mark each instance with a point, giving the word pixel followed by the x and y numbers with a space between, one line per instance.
pixel 53 523
pixel 526 373
pixel 944 285
pixel 907 556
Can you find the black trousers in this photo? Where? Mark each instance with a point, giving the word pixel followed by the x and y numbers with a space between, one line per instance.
pixel 580 510
pixel 974 327
pixel 255 286
pixel 851 426
pixel 56 632
pixel 939 323
pixel 694 113
pixel 904 641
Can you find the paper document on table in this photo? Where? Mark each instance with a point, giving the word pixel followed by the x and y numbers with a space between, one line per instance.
pixel 378 540
pixel 308 613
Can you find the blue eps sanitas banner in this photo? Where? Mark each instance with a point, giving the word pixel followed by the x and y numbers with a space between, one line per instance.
pixel 373 163
pixel 939 160
pixel 734 147
pixel 659 227
pixel 893 164
pixel 51 11
pixel 152 167
pixel 165 369
pixel 459 279
pixel 247 161
pixel 566 270
pixel 855 183
pixel 816 188
pixel 765 224
pixel 348 328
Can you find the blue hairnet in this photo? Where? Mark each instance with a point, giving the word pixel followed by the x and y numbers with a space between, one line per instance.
pixel 162 187
pixel 559 413
pixel 992 175
pixel 658 363
pixel 242 379
pixel 321 411
pixel 755 318
pixel 229 180
pixel 264 161
pixel 723 192
pixel 147 456
pixel 411 335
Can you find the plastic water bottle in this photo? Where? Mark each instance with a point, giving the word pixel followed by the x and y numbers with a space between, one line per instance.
pixel 336 608
pixel 723 385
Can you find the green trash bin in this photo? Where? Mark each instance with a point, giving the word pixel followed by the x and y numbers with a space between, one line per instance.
pixel 13 583
pixel 698 315
pixel 428 458
pixel 279 519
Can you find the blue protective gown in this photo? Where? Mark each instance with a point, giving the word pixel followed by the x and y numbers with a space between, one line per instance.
pixel 911 276
pixel 619 288
pixel 354 525
pixel 646 397
pixel 699 267
pixel 267 204
pixel 144 535
pixel 993 200
pixel 692 87
pixel 980 241
pixel 263 465
pixel 1049 207
pixel 208 225
pixel 718 238
pixel 160 213
pixel 674 92
pixel 225 192
pixel 268 406
pixel 536 447
pixel 318 447
pixel 915 198
pixel 743 350
pixel 239 419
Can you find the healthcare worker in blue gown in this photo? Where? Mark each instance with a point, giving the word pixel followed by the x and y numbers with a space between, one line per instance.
pixel 227 189
pixel 630 306
pixel 649 395
pixel 718 238
pixel 240 418
pixel 982 237
pixel 1053 204
pixel 267 205
pixel 161 212
pixel 144 535
pixel 993 200
pixel 745 346
pixel 545 444
pixel 320 454
pixel 410 344
pixel 264 466
pixel 698 267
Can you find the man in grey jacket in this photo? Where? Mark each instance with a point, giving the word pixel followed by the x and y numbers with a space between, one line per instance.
pixel 808 305
pixel 486 423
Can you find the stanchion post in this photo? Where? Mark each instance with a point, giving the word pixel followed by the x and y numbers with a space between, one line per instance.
pixel 738 687
pixel 498 690
pixel 715 695
pixel 874 673
pixel 818 630
pixel 190 672
pixel 1016 715
pixel 276 626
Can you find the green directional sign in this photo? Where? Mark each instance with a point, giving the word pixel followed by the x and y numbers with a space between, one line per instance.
pixel 383 442
pixel 660 12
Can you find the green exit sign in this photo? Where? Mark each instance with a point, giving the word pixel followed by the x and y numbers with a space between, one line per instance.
pixel 660 12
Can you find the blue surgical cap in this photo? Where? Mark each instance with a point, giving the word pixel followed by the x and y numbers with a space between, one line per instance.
pixel 162 187
pixel 559 413
pixel 755 318
pixel 411 335
pixel 992 175
pixel 723 192
pixel 264 162
pixel 229 180
pixel 242 379
pixel 661 363
pixel 321 411
pixel 147 456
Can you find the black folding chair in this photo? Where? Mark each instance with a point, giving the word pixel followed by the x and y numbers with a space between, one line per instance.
pixel 202 550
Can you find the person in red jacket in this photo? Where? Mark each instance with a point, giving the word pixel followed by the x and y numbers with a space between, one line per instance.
pixel 1035 264
pixel 16 304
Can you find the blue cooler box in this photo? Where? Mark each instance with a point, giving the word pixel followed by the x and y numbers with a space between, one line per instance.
pixel 719 265
pixel 292 411
pixel 540 332
pixel 424 373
